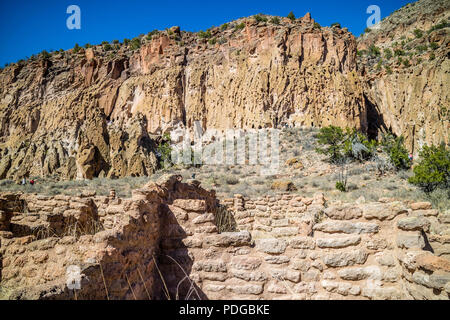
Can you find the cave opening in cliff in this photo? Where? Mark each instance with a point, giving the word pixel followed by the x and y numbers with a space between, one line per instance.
pixel 375 121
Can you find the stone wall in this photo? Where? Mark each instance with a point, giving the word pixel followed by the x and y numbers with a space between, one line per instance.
pixel 164 243
pixel 111 240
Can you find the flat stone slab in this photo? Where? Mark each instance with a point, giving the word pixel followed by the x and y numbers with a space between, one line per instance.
pixel 345 258
pixel 347 227
pixel 414 223
pixel 338 242
pixel 271 246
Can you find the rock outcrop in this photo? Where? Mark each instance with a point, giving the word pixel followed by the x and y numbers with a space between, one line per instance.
pixel 407 89
pixel 89 113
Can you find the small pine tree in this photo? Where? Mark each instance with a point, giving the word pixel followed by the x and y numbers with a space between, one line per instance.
pixel 291 16
pixel 433 170
pixel 333 138
pixel 395 148
pixel 77 48
pixel 164 152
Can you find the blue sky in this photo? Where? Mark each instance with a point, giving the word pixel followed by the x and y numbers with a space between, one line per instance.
pixel 30 26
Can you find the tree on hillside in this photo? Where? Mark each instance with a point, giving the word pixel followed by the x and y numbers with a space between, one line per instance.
pixel 291 16
pixel 433 170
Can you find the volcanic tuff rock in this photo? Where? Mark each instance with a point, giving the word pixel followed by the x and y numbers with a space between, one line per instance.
pixel 410 98
pixel 92 112
pixel 84 114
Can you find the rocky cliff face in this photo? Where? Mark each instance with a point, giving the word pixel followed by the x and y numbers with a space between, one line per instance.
pixel 92 112
pixel 89 113
pixel 407 90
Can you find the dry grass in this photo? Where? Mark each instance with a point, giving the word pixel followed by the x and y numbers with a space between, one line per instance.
pixel 224 220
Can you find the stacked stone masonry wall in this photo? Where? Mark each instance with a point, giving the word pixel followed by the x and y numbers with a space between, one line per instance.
pixel 165 236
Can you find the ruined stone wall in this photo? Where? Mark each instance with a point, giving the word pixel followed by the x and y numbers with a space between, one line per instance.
pixel 111 240
pixel 164 243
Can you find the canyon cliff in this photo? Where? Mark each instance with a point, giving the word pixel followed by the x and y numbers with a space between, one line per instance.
pixel 97 111
pixel 408 92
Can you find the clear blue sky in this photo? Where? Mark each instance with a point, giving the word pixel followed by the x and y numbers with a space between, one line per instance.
pixel 30 26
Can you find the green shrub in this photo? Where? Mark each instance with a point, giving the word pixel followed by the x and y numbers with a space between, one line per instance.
pixel 77 48
pixel 406 63
pixel 361 53
pixel 374 50
pixel 164 152
pixel 222 40
pixel 421 49
pixel 333 138
pixel 367 30
pixel 212 41
pixel 433 170
pixel 357 145
pixel 88 45
pixel 116 41
pixel 388 53
pixel 388 69
pixel 349 144
pixel 260 18
pixel 135 43
pixel 204 35
pixel 107 47
pixel 291 16
pixel 379 65
pixel 224 27
pixel 418 33
pixel 239 26
pixel 432 57
pixel 126 41
pixel 340 186
pixel 336 24
pixel 399 52
pixel 44 55
pixel 275 20
pixel 395 148
pixel 317 25
pixel 434 46
pixel 443 24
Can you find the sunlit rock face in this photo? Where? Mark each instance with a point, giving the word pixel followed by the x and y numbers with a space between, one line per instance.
pixel 409 93
pixel 93 112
